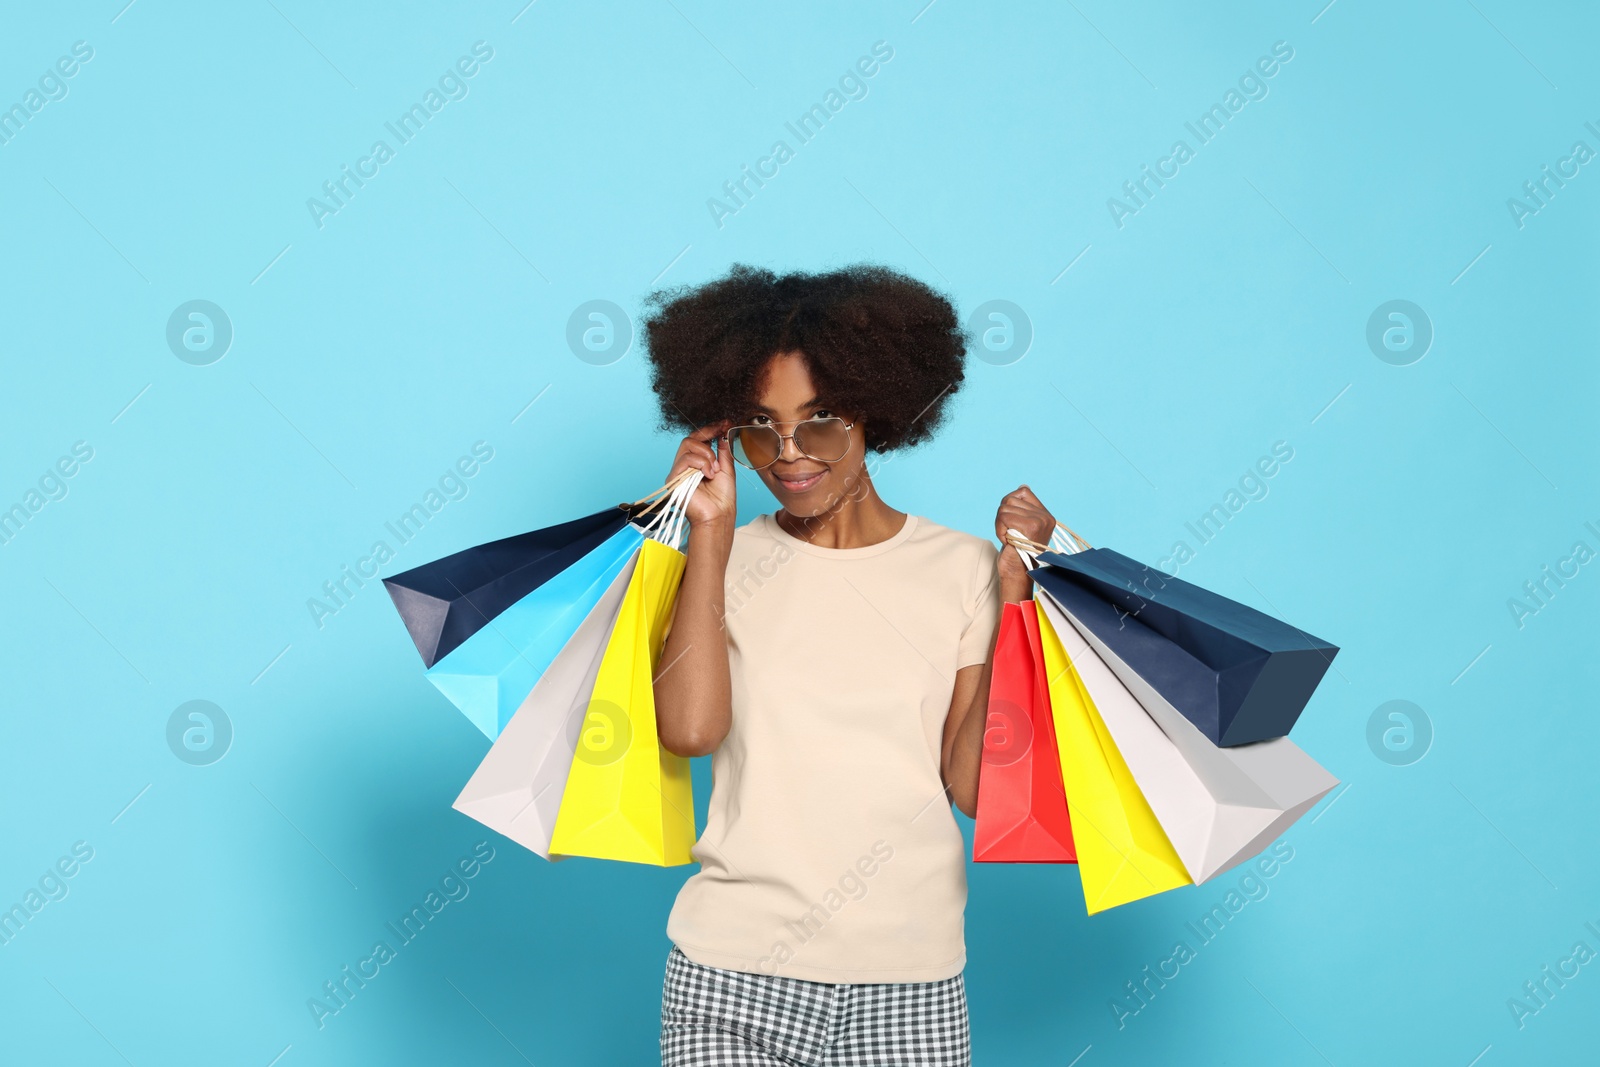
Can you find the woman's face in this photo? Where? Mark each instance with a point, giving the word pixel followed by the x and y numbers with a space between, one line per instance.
pixel 804 486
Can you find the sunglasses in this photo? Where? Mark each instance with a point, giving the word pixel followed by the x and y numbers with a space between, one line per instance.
pixel 757 447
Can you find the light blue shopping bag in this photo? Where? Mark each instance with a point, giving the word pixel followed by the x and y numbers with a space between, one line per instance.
pixel 488 676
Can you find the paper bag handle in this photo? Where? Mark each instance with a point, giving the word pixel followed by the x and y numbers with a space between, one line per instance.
pixel 1029 549
pixel 648 503
pixel 1068 542
pixel 670 522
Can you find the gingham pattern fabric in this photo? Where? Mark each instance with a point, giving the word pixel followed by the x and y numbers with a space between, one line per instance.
pixel 712 1017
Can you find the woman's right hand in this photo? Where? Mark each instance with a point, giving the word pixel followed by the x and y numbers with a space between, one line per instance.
pixel 713 501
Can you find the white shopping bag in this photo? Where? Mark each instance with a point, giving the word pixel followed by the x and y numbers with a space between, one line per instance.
pixel 1218 806
pixel 517 788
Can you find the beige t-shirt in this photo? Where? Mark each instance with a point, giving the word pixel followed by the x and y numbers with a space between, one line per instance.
pixel 830 851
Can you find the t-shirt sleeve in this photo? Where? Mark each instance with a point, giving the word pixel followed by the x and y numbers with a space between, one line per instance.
pixel 983 612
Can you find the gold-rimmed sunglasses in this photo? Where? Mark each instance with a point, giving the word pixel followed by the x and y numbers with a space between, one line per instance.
pixel 757 447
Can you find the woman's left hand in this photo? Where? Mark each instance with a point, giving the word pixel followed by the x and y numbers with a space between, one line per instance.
pixel 1020 510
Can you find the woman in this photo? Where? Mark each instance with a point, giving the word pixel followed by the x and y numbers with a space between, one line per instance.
pixel 834 657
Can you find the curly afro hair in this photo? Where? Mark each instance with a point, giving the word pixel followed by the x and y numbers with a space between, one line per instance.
pixel 878 344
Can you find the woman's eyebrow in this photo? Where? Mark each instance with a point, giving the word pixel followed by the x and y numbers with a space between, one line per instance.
pixel 814 402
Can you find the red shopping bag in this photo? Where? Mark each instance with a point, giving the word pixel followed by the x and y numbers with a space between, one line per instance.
pixel 1022 809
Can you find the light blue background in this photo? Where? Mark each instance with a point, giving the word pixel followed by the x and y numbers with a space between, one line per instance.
pixel 369 354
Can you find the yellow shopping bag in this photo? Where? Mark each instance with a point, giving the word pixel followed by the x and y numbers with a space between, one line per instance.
pixel 627 798
pixel 1123 854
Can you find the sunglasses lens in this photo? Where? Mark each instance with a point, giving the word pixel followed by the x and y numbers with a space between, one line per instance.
pixel 823 439
pixel 755 446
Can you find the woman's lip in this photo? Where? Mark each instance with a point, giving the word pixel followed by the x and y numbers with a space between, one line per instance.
pixel 802 485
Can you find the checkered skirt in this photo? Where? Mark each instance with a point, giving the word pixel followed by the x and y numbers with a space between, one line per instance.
pixel 712 1017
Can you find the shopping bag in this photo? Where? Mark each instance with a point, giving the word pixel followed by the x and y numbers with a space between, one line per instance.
pixel 490 673
pixel 1243 676
pixel 626 797
pixel 1218 806
pixel 1123 854
pixel 517 788
pixel 447 601
pixel 1022 811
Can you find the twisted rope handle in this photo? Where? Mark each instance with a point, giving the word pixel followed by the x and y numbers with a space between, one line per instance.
pixel 669 523
pixel 679 524
pixel 1066 543
pixel 660 496
pixel 668 508
pixel 1026 547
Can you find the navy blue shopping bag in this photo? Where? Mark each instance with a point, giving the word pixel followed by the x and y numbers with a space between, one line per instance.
pixel 1238 674
pixel 447 601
